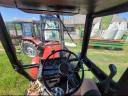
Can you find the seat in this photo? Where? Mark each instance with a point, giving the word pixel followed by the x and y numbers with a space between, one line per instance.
pixel 88 88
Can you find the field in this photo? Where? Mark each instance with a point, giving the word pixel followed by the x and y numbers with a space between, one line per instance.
pixel 12 83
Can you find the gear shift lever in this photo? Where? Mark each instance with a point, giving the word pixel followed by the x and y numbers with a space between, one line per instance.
pixel 113 71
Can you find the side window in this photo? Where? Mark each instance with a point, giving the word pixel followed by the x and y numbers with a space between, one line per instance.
pixel 18 27
pixel 109 43
pixel 21 31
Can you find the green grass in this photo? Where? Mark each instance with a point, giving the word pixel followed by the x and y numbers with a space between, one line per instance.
pixel 11 83
pixel 103 58
pixel 1 46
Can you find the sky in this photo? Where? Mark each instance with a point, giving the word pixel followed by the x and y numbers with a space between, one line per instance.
pixel 10 14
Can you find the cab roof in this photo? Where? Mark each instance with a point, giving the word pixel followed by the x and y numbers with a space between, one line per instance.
pixel 64 6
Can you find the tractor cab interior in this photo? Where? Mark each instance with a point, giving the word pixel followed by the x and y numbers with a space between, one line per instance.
pixel 56 69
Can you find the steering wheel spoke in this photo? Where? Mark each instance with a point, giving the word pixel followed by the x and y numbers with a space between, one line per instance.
pixel 68 58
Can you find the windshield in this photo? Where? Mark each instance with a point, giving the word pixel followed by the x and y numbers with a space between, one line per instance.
pixel 30 50
pixel 51 30
pixel 27 29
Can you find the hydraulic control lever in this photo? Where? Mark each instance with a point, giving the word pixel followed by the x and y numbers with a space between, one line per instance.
pixel 113 71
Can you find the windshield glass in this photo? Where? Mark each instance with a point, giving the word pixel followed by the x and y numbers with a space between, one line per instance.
pixel 51 35
pixel 29 49
pixel 109 43
pixel 27 29
pixel 51 30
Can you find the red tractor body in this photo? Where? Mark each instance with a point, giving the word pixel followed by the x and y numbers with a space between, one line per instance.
pixel 47 39
pixel 47 50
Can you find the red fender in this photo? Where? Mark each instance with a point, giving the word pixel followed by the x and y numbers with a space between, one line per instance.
pixel 34 71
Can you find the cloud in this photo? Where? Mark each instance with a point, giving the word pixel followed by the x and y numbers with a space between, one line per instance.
pixel 15 18
pixel 33 18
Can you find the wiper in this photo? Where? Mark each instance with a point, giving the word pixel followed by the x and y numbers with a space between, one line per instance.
pixel 65 28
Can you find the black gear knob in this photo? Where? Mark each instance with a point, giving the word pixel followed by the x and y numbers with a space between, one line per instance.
pixel 113 70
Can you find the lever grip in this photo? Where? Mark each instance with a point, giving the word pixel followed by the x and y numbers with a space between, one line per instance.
pixel 113 70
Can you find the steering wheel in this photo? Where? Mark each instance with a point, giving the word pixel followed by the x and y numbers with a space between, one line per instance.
pixel 63 73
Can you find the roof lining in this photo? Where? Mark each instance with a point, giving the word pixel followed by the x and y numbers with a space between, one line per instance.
pixel 89 9
pixel 114 10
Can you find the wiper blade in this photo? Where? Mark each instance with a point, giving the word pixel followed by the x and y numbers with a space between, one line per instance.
pixel 65 28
